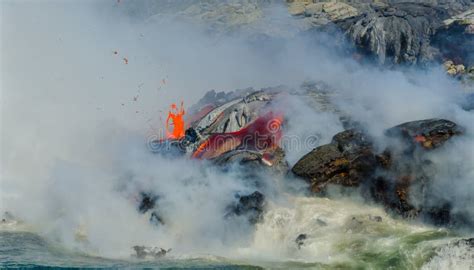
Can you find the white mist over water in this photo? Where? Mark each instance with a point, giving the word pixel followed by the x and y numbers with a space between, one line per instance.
pixel 73 137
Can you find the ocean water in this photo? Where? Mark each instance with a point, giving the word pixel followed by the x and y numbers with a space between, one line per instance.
pixel 26 249
pixel 349 238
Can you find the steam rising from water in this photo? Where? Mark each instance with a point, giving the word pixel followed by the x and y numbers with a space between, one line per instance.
pixel 75 119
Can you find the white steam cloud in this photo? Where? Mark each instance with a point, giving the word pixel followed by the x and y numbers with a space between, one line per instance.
pixel 83 86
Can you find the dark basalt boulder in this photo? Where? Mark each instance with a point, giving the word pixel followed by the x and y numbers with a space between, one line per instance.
pixel 347 161
pixel 147 203
pixel 300 240
pixel 325 164
pixel 429 133
pixel 252 206
pixel 394 31
pixel 351 141
pixel 143 252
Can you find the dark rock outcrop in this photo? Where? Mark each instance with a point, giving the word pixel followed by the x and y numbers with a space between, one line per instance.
pixel 408 172
pixel 347 161
pixel 147 203
pixel 252 206
pixel 143 252
pixel 429 134
pixel 399 177
pixel 392 31
pixel 399 33
pixel 300 240
pixel 455 38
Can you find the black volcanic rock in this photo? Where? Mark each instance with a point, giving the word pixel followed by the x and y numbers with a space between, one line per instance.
pixel 300 240
pixel 404 184
pixel 429 133
pixel 400 178
pixel 347 161
pixel 251 206
pixel 351 141
pixel 398 33
pixel 147 202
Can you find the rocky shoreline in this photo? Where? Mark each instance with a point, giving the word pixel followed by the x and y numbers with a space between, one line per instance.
pixel 398 177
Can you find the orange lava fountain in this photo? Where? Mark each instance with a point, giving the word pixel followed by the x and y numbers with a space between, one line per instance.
pixel 175 119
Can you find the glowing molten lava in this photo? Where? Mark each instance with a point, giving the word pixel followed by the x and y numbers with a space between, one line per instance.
pixel 175 119
pixel 261 135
